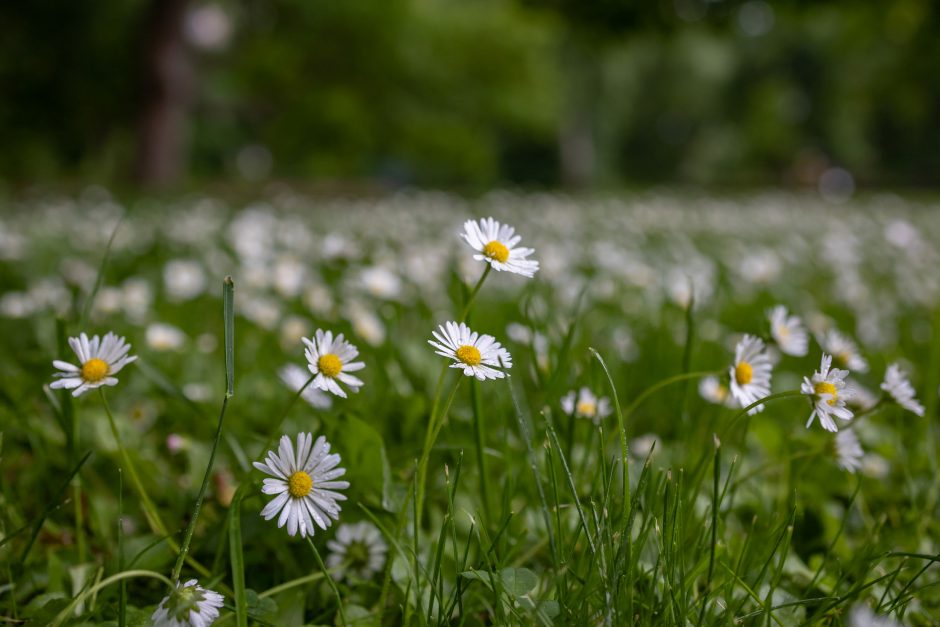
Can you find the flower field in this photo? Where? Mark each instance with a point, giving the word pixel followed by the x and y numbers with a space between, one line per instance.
pixel 655 409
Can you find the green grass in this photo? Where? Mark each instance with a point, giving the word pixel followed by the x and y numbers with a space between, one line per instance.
pixel 495 506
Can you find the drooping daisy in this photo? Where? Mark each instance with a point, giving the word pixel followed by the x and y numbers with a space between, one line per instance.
pixel 330 360
pixel 750 374
pixel 496 244
pixel 305 484
pixel 295 377
pixel 788 332
pixel 584 404
pixel 189 605
pixel 714 391
pixel 899 387
pixel 358 550
pixel 844 350
pixel 828 392
pixel 849 453
pixel 479 356
pixel 100 361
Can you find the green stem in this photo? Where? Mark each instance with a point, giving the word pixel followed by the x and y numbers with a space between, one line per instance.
pixel 277 425
pixel 77 496
pixel 479 428
pixel 329 580
pixel 434 427
pixel 63 616
pixel 187 538
pixel 758 403
pixel 473 294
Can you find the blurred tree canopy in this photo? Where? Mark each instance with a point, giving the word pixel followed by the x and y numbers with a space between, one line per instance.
pixel 471 92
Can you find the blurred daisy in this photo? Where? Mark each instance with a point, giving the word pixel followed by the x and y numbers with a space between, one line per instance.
pixel 100 361
pixel 305 484
pixel 828 391
pixel 189 605
pixel 295 377
pixel 161 336
pixel 750 373
pixel 496 244
pixel 714 391
pixel 357 550
pixel 330 360
pixel 844 350
pixel 477 355
pixel 859 396
pixel 849 453
pixel 899 387
pixel 584 404
pixel 788 332
pixel 862 616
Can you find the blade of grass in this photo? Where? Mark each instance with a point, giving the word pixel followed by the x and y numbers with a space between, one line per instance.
pixel 237 558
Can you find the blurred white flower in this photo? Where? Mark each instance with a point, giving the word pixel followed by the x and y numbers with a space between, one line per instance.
pixel 844 350
pixel 584 404
pixel 899 387
pixel 828 392
pixel 365 323
pixel 380 282
pixel 305 484
pixel 862 616
pixel 713 390
pixel 164 337
pixel 184 279
pixel 849 453
pixel 750 373
pixel 357 550
pixel 295 377
pixel 100 360
pixel 788 332
pixel 643 445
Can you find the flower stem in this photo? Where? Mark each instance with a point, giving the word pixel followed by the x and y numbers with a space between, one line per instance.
pixel 660 385
pixel 434 427
pixel 480 429
pixel 187 538
pixel 269 442
pixel 473 294
pixel 758 403
pixel 329 580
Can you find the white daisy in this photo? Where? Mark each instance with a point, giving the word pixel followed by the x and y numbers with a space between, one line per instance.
pixel 899 387
pixel 750 374
pixel 788 332
pixel 828 391
pixel 190 605
pixel 844 350
pixel 304 484
pixel 849 453
pixel 477 355
pixel 859 396
pixel 330 360
pixel 496 244
pixel 713 390
pixel 100 361
pixel 357 550
pixel 584 404
pixel 295 377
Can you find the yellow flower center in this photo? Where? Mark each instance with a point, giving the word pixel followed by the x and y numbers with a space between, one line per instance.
pixel 299 484
pixel 95 370
pixel 587 408
pixel 330 365
pixel 469 355
pixel 783 330
pixel 496 250
pixel 743 373
pixel 824 387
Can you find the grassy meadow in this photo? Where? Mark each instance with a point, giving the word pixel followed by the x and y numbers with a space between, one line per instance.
pixel 610 476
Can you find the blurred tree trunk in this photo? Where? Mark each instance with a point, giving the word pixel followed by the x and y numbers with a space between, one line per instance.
pixel 577 144
pixel 167 84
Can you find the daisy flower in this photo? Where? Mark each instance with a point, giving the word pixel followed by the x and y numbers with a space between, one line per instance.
pixel 844 350
pixel 584 404
pixel 899 387
pixel 294 377
pixel 100 361
pixel 330 360
pixel 788 332
pixel 189 605
pixel 479 356
pixel 849 453
pixel 304 484
pixel 828 391
pixel 496 244
pixel 750 373
pixel 714 391
pixel 357 550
